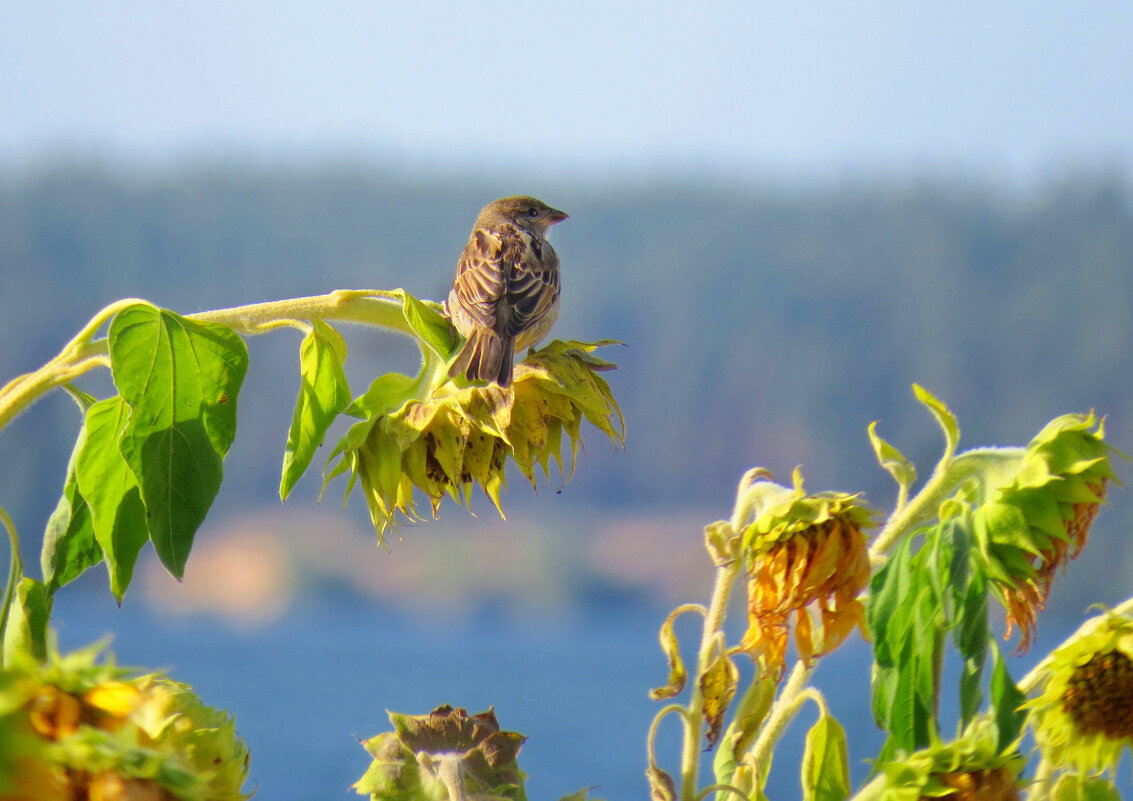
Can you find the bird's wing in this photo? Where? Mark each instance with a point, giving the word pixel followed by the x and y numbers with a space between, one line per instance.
pixel 505 280
pixel 481 277
pixel 532 284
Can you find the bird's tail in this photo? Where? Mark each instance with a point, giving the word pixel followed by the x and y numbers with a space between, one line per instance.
pixel 486 356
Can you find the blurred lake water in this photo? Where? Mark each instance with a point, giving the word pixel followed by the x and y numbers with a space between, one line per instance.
pixel 303 687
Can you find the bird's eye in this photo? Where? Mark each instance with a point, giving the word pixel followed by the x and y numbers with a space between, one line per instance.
pixel 533 212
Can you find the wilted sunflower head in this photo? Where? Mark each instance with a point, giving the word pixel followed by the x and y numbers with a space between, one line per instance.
pixel 1083 718
pixel 454 439
pixel 84 728
pixel 970 768
pixel 799 550
pixel 1039 517
pixel 428 756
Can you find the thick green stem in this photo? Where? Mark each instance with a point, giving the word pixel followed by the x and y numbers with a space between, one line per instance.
pixel 15 573
pixel 945 480
pixel 368 307
pixel 783 711
pixel 709 641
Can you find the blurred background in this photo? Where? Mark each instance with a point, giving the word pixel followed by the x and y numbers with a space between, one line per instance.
pixel 788 213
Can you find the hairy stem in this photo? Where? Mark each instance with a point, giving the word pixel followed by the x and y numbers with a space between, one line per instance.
pixel 694 713
pixel 783 711
pixel 365 306
pixel 947 477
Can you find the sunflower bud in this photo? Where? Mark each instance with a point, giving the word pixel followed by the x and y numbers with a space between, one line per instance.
pixel 800 550
pixel 455 439
pixel 444 755
pixel 1038 519
pixel 1084 715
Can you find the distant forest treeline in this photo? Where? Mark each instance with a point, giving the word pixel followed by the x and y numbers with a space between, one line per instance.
pixel 763 327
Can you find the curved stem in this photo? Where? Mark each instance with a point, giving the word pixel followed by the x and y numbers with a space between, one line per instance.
pixel 948 475
pixel 15 573
pixel 709 642
pixel 366 306
pixel 651 738
pixel 783 711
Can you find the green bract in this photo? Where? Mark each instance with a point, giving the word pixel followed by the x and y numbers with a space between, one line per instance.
pixel 446 439
pixel 778 513
pixel 444 755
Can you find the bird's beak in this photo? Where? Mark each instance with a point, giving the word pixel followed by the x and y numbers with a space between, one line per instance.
pixel 557 216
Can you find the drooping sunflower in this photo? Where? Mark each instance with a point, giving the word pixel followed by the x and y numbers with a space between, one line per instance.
pixel 970 768
pixel 1038 519
pixel 457 438
pixel 800 550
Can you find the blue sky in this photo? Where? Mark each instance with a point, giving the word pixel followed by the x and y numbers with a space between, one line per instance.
pixel 1011 87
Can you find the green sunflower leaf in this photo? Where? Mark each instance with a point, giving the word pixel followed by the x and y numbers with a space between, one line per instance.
pixel 28 620
pixel 944 417
pixel 69 545
pixel 108 484
pixel 323 394
pixel 826 762
pixel 428 324
pixel 1006 701
pixel 891 459
pixel 180 379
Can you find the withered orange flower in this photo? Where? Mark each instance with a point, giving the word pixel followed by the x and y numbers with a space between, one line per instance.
pixel 803 550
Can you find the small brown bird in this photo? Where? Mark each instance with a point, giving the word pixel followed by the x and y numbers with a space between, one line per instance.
pixel 506 291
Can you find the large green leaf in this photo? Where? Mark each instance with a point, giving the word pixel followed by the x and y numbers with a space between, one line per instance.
pixel 180 379
pixel 28 620
pixel 826 762
pixel 905 616
pixel 109 487
pixel 69 546
pixel 323 394
pixel 972 635
pixel 1006 701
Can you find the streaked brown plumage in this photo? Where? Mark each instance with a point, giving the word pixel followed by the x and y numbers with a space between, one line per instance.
pixel 506 291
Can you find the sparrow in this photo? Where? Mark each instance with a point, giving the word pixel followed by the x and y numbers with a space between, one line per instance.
pixel 506 291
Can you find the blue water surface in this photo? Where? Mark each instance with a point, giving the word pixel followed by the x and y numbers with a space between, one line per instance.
pixel 303 688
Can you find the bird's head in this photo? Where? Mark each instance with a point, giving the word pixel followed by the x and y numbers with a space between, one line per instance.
pixel 527 212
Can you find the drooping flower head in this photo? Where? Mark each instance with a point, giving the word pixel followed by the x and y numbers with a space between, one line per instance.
pixel 970 768
pixel 799 550
pixel 1083 718
pixel 457 438
pixel 1039 517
